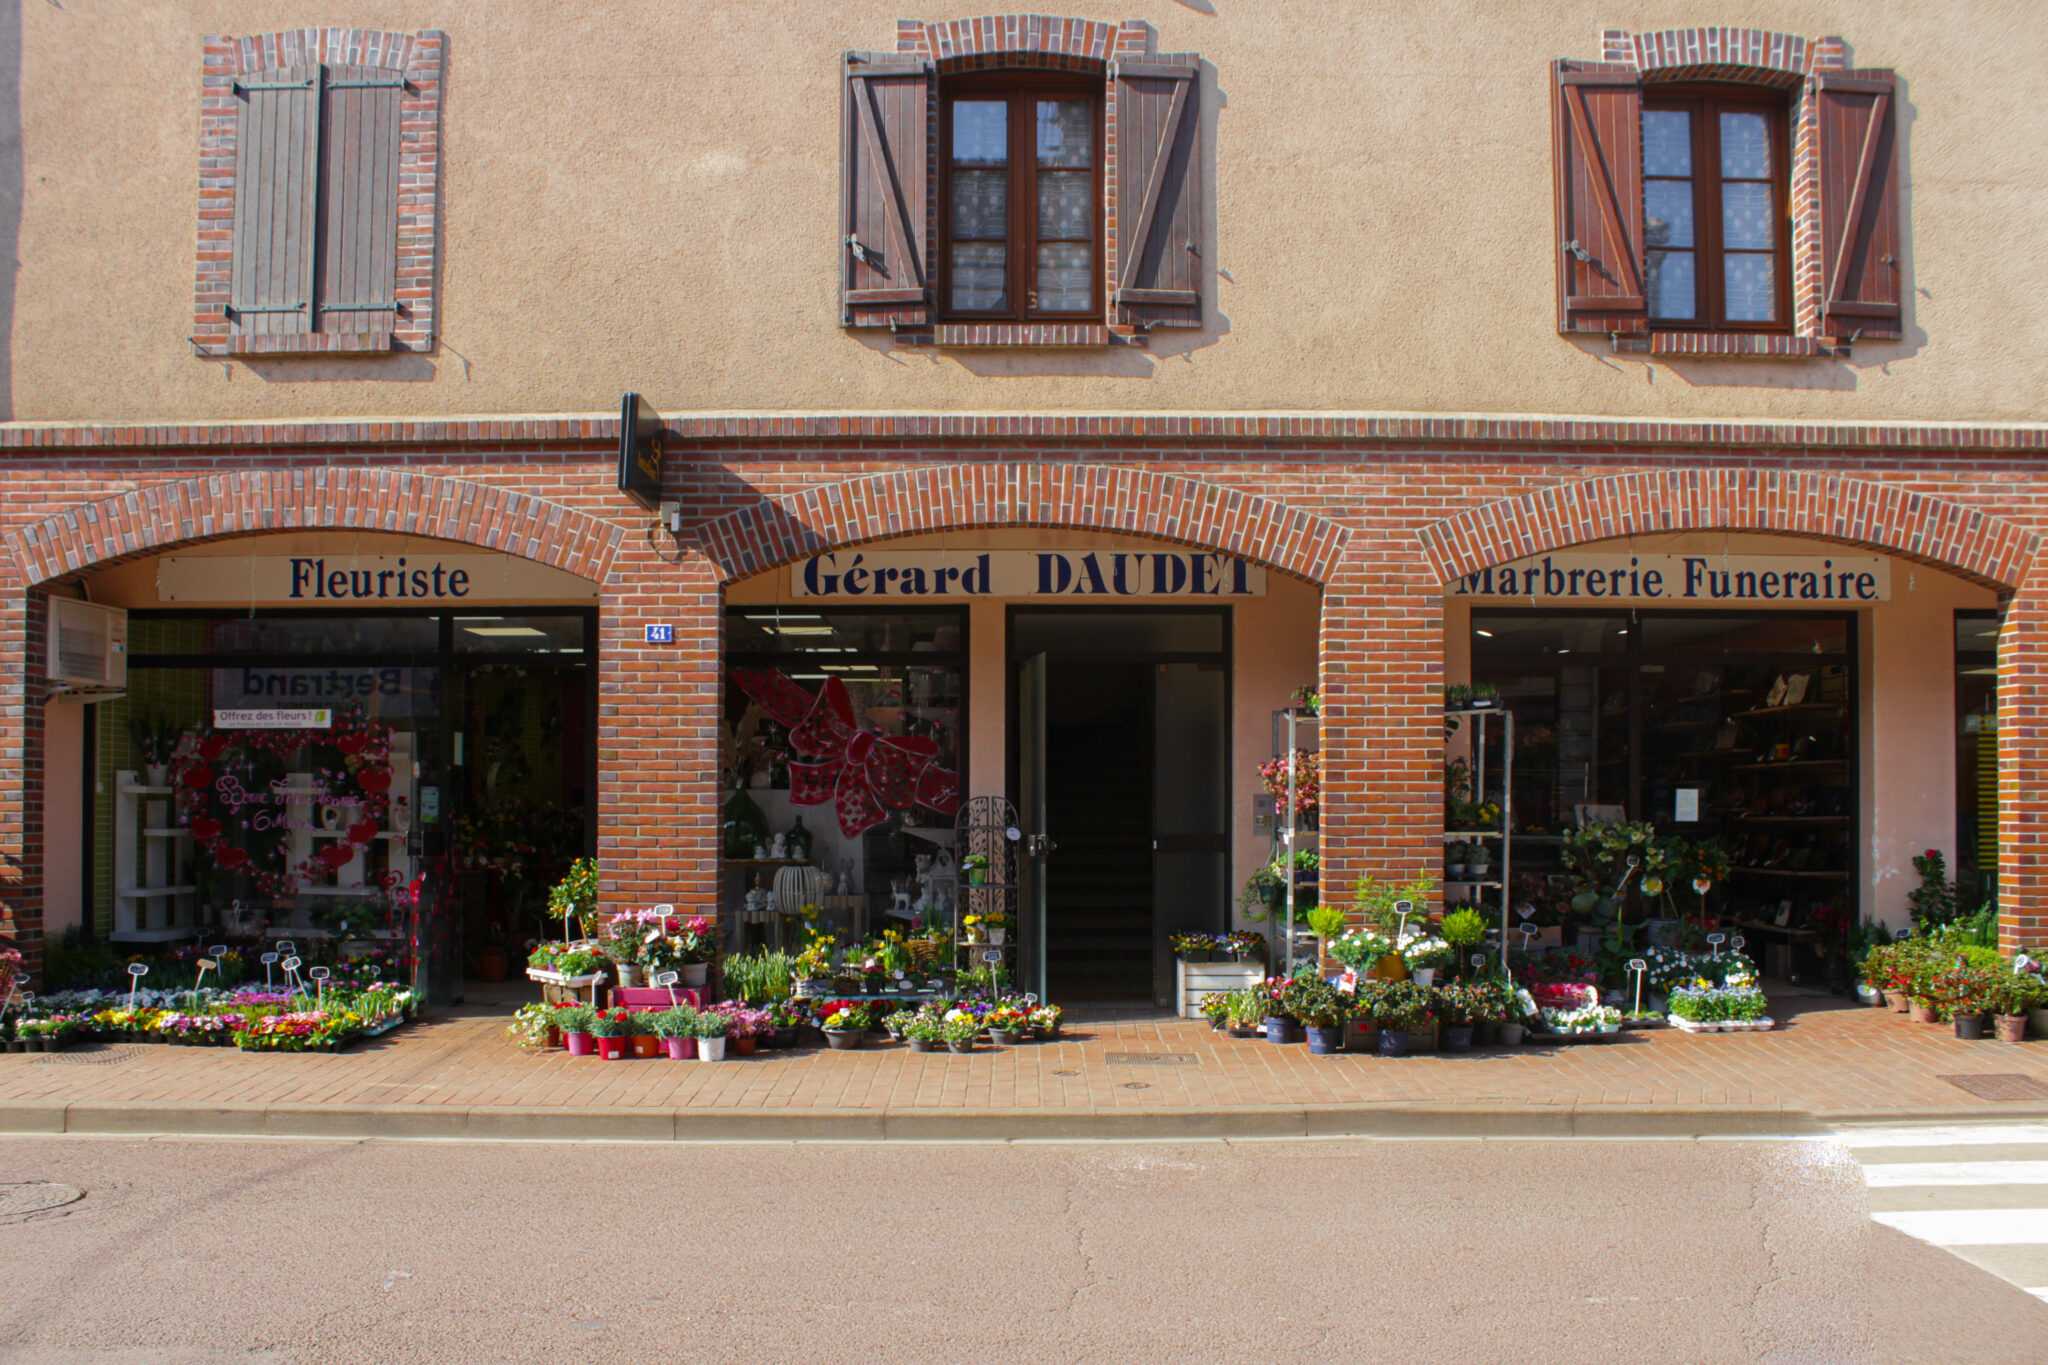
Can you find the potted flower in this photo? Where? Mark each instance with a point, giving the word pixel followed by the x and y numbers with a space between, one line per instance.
pixel 646 1042
pixel 575 894
pixel 1454 1006
pixel 695 947
pixel 1425 957
pixel 677 1029
pixel 896 1023
pixel 1192 947
pixel 1455 858
pixel 975 865
pixel 846 1024
pixel 995 925
pixel 1007 1024
pixel 1322 1009
pixel 1045 1021
pixel 613 1031
pixel 925 1032
pixel 1277 1022
pixel 1215 1007
pixel 1960 998
pixel 2032 990
pixel 620 940
pixel 960 1029
pixel 534 1028
pixel 1246 1012
pixel 1402 1010
pixel 710 1030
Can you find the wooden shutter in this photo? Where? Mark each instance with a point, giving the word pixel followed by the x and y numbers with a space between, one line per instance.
pixel 885 262
pixel 358 278
pixel 277 158
pixel 1859 204
pixel 1597 162
pixel 1158 157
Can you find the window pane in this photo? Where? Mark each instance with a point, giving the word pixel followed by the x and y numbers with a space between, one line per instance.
pixel 981 204
pixel 1750 284
pixel 977 276
pixel 1746 217
pixel 1671 284
pixel 1745 147
pixel 981 133
pixel 1066 133
pixel 1065 204
pixel 519 635
pixel 1064 276
pixel 1667 142
pixel 1667 209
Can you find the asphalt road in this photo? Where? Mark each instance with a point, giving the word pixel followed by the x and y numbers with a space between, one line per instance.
pixel 194 1250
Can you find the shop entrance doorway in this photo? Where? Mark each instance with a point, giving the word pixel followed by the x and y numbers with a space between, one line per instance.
pixel 1120 735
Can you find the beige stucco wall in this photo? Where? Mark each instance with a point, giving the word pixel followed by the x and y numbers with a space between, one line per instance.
pixel 1906 761
pixel 643 194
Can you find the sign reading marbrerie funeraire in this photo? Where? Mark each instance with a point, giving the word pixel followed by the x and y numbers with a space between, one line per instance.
pixel 376 580
pixel 1839 580
pixel 1027 573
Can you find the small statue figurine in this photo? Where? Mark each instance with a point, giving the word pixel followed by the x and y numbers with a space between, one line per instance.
pixel 779 848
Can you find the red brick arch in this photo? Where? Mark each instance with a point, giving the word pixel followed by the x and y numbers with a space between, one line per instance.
pixel 325 498
pixel 1878 516
pixel 1087 497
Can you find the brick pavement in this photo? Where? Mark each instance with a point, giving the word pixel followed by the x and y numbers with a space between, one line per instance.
pixel 1826 1062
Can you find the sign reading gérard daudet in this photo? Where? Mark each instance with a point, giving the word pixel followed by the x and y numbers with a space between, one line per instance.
pixel 1837 580
pixel 1027 573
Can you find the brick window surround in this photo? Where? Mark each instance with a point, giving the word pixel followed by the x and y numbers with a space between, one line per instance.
pixel 1754 57
pixel 418 59
pixel 1036 42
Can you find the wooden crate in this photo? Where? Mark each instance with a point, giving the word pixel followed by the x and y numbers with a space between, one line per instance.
pixel 1196 981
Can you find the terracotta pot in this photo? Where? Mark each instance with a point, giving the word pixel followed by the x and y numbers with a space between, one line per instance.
pixel 1923 1012
pixel 2012 1028
pixel 646 1045
pixel 1897 1000
pixel 745 1047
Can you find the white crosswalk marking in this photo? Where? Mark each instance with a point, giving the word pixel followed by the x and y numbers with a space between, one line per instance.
pixel 1979 1191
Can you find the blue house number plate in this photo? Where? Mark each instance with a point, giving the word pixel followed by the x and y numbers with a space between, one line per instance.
pixel 661 635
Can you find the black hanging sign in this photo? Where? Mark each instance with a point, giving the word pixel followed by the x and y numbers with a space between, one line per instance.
pixel 640 439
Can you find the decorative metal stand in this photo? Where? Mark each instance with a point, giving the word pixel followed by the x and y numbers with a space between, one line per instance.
pixel 1482 717
pixel 1294 729
pixel 987 826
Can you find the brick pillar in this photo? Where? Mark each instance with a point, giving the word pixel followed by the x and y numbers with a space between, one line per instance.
pixel 24 616
pixel 657 731
pixel 2023 767
pixel 1382 650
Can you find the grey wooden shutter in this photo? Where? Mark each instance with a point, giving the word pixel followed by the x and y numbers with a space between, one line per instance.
pixel 359 201
pixel 276 201
pixel 1597 164
pixel 885 261
pixel 1859 204
pixel 1159 193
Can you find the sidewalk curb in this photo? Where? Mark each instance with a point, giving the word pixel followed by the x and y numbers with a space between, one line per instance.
pixel 1396 1120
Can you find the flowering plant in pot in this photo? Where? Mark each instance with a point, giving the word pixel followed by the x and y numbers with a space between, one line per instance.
pixel 1246 1012
pixel 1278 1023
pixel 1215 1007
pixel 710 1029
pixel 975 865
pixel 645 1041
pixel 1008 1023
pixel 846 1024
pixel 677 1029
pixel 1459 1011
pixel 1045 1020
pixel 960 1029
pixel 743 1026
pixel 1959 995
pixel 895 1023
pixel 1322 1009
pixel 619 939
pixel 1193 947
pixel 925 1032
pixel 1400 1008
pixel 613 1030
pixel 575 1023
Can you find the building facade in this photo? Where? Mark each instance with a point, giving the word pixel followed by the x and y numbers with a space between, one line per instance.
pixel 1041 404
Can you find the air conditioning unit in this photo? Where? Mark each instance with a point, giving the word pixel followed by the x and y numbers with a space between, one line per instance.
pixel 88 646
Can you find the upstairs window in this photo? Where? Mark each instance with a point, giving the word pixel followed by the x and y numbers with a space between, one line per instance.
pixel 1020 215
pixel 1717 234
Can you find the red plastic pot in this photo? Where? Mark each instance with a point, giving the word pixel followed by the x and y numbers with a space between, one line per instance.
pixel 614 1049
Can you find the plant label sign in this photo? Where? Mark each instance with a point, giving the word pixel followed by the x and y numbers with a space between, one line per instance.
pixel 993 956
pixel 136 971
pixel 1715 941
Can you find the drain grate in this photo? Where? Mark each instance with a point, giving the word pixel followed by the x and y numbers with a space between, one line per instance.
pixel 35 1196
pixel 2000 1086
pixel 1151 1059
pixel 92 1056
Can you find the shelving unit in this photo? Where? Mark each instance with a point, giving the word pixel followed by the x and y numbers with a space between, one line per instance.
pixel 156 896
pixel 1481 718
pixel 1294 729
pixel 987 825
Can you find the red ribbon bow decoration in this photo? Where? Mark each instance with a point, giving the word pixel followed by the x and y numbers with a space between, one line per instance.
pixel 864 773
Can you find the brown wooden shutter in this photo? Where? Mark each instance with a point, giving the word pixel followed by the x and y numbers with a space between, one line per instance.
pixel 885 261
pixel 1859 204
pixel 358 279
pixel 1158 156
pixel 277 161
pixel 1597 161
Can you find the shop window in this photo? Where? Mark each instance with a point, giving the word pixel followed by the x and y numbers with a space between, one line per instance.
pixel 844 745
pixel 1714 192
pixel 1718 208
pixel 1976 868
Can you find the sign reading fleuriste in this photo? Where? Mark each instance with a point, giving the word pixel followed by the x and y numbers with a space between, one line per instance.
pixel 1802 579
pixel 1027 573
pixel 336 579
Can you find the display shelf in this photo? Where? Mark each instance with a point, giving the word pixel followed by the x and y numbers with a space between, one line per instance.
pixel 1759 926
pixel 172 935
pixel 1477 886
pixel 1809 873
pixel 1295 729
pixel 1458 836
pixel 1482 718
pixel 983 827
pixel 1793 820
pixel 155 866
pixel 166 832
pixel 1791 763
pixel 387 835
pixel 1795 709
pixel 125 788
pixel 153 892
